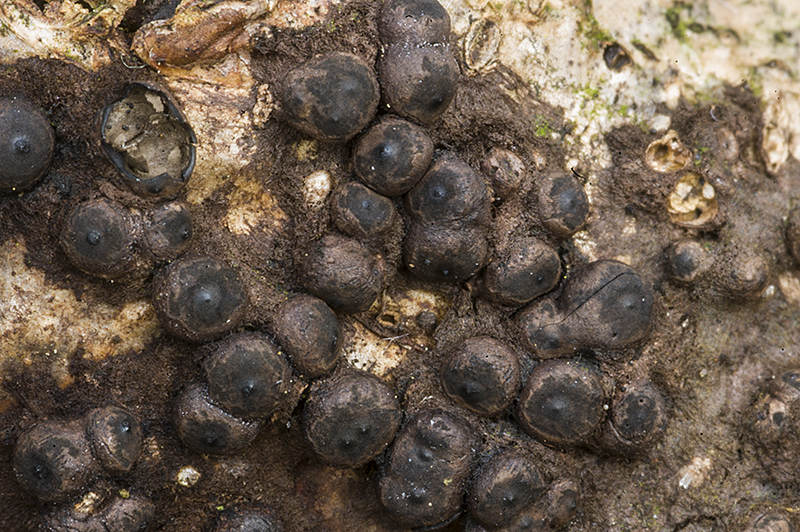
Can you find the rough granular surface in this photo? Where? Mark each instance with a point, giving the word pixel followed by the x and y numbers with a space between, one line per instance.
pixel 677 127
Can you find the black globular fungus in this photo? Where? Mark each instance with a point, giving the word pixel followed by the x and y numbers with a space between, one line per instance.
pixel 149 140
pixel 247 521
pixel 343 273
pixel 360 212
pixel 168 230
pixel 98 238
pixel 133 513
pixel 248 376
pixel 308 331
pixel 482 374
pixel 505 486
pixel 392 156
pixel 199 298
pixel 331 97
pixel 741 273
pixel 415 21
pixel 506 172
pixel 563 205
pixel 53 460
pixel 428 465
pixel 419 81
pixel 529 269
pixel 26 145
pixel 350 419
pixel 638 419
pixel 604 304
pixel 206 428
pixel 116 438
pixel 451 191
pixel 562 403
pixel 441 254
pixel 686 260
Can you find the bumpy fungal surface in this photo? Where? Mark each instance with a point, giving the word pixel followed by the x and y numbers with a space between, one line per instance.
pixel 428 466
pixel 199 298
pixel 98 238
pixel 116 438
pixel 309 332
pixel 53 461
pixel 674 130
pixel 482 374
pixel 392 156
pixel 26 145
pixel 562 403
pixel 248 376
pixel 332 97
pixel 350 419
pixel 206 428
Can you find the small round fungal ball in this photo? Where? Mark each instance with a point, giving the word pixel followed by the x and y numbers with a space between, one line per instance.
pixel 343 273
pixel 528 270
pixel 350 419
pixel 428 465
pixel 415 21
pixel 561 404
pixel 116 438
pixel 563 205
pixel 308 331
pixel 359 212
pixel 482 374
pixel 331 97
pixel 168 230
pixel 638 418
pixel 98 238
pixel 451 191
pixel 53 461
pixel 248 521
pixel 149 140
pixel 505 486
pixel 248 376
pixel 441 254
pixel 26 145
pixel 199 298
pixel 392 156
pixel 506 172
pixel 686 260
pixel 419 82
pixel 742 273
pixel 208 429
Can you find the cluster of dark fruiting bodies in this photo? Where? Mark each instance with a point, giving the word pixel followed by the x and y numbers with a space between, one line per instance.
pixel 353 417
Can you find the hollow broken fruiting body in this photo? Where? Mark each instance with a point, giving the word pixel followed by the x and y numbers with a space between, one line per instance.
pixel 604 305
pixel 149 140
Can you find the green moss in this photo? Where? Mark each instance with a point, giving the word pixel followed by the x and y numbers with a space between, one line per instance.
pixel 542 127
pixel 591 29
